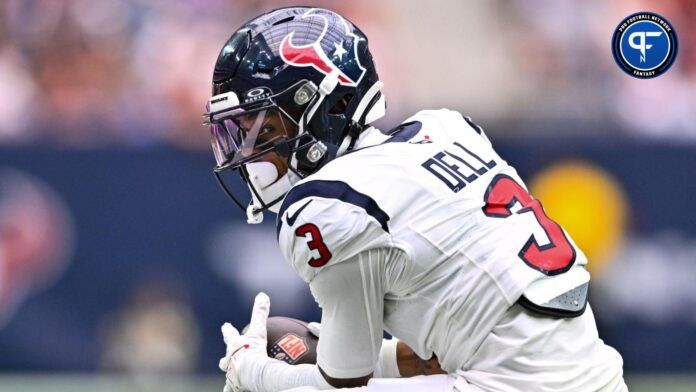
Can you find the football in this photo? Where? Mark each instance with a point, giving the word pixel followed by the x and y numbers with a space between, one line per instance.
pixel 289 340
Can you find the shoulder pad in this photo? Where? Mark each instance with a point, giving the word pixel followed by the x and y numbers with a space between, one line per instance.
pixel 449 123
pixel 323 222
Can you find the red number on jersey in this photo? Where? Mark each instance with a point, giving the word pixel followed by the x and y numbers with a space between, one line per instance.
pixel 316 243
pixel 553 258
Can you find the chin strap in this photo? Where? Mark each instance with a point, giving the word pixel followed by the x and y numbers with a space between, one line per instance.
pixel 377 111
pixel 366 100
pixel 326 87
pixel 360 118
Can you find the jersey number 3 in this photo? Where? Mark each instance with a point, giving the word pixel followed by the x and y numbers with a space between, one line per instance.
pixel 316 242
pixel 551 259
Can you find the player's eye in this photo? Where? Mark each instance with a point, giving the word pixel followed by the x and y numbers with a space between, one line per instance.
pixel 266 134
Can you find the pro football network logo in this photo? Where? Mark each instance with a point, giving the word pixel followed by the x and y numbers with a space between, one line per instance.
pixel 644 45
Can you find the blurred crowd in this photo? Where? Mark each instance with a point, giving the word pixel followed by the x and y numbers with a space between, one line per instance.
pixel 137 72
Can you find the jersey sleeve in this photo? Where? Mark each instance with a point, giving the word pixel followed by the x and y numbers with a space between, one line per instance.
pixel 323 223
pixel 351 296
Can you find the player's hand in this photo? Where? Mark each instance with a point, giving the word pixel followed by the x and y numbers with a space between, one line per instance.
pixel 239 347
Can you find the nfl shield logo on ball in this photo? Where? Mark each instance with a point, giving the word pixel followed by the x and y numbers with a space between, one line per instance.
pixel 289 348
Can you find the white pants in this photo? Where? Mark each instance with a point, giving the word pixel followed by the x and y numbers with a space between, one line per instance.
pixel 526 352
pixel 439 383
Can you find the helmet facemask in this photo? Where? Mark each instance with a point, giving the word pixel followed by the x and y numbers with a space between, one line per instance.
pixel 261 140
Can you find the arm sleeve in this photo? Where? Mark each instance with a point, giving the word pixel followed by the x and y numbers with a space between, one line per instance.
pixel 387 365
pixel 351 295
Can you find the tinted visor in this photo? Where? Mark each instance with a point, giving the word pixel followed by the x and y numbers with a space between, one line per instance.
pixel 263 130
pixel 244 135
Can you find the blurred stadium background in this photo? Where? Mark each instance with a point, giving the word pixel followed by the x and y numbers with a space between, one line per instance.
pixel 120 257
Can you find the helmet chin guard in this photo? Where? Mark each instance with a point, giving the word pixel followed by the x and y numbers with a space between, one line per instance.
pixel 265 184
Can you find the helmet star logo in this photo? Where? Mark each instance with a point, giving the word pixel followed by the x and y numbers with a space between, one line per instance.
pixel 340 51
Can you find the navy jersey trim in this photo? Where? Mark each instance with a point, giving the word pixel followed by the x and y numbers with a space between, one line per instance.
pixel 333 190
pixel 404 132
pixel 472 124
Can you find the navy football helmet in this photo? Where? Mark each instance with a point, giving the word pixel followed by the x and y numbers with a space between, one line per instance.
pixel 292 89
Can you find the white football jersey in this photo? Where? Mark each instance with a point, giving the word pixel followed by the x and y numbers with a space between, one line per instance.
pixel 473 240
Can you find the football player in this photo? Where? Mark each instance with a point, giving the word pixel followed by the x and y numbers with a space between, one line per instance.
pixel 423 231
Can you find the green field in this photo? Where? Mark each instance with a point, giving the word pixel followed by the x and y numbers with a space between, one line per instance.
pixel 90 383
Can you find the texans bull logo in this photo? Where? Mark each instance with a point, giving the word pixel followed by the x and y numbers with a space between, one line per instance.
pixel 344 62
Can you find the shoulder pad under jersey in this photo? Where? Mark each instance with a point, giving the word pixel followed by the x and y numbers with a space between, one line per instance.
pixel 446 123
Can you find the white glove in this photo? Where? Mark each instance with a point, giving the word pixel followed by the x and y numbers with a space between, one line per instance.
pixel 239 347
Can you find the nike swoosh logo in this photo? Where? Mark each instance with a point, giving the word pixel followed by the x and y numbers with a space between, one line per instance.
pixel 291 218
